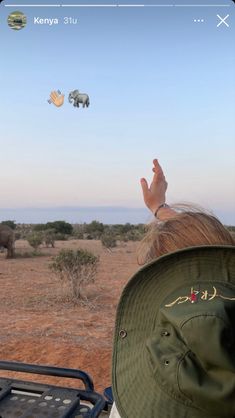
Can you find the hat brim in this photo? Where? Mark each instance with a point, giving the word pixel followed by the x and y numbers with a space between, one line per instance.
pixel 135 387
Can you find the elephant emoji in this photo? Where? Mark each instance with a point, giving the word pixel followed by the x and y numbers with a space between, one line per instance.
pixel 75 97
pixel 7 240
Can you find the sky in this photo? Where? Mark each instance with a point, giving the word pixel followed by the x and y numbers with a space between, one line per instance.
pixel 160 86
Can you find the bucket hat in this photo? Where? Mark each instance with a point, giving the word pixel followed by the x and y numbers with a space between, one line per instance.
pixel 174 340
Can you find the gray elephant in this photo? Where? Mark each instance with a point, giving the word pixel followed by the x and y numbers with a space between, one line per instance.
pixel 75 97
pixel 7 240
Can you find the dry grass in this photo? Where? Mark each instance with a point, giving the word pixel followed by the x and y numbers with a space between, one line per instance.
pixel 39 324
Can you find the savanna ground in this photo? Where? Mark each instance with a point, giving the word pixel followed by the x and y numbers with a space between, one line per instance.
pixel 39 325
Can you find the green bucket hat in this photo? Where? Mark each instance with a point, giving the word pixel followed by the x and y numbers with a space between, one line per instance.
pixel 174 342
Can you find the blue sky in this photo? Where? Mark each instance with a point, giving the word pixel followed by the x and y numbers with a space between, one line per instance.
pixel 160 85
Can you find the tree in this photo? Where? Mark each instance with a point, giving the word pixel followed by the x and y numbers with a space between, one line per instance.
pixel 9 223
pixel 60 227
pixel 77 269
pixel 95 229
pixel 40 227
pixel 35 239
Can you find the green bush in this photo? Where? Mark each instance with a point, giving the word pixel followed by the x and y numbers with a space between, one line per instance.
pixel 133 236
pixel 108 240
pixel 9 223
pixel 78 235
pixel 60 227
pixel 77 269
pixel 94 230
pixel 127 232
pixel 35 239
pixel 61 237
pixel 123 238
pixel 40 227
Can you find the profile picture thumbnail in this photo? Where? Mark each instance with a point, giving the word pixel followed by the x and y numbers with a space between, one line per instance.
pixel 17 20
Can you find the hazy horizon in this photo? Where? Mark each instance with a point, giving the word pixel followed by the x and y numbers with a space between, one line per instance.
pixel 86 214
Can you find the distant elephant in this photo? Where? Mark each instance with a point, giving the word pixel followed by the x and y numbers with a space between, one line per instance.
pixel 75 97
pixel 7 240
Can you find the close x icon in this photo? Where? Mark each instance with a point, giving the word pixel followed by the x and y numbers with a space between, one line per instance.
pixel 223 21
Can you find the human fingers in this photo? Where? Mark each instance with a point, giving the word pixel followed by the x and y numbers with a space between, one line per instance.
pixel 158 173
pixel 53 95
pixel 156 166
pixel 158 176
pixel 144 186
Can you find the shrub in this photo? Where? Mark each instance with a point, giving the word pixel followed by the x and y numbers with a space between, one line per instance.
pixel 61 237
pixel 77 269
pixel 35 239
pixel 78 231
pixel 135 233
pixel 133 236
pixel 94 229
pixel 40 227
pixel 78 235
pixel 126 228
pixel 123 238
pixel 49 237
pixel 24 230
pixel 108 240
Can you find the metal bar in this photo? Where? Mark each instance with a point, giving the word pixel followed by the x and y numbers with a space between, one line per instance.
pixel 49 371
pixel 97 400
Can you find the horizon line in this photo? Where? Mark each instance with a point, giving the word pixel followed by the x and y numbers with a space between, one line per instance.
pixel 71 207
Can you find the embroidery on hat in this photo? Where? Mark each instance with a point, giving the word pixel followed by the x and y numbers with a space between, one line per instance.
pixel 196 295
pixel 193 296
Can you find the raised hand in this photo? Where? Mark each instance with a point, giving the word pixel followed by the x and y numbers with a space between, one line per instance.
pixel 56 98
pixel 155 194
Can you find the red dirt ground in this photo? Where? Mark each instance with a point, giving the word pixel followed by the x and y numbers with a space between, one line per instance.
pixel 38 325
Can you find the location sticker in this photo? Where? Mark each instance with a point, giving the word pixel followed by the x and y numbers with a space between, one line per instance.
pixel 17 20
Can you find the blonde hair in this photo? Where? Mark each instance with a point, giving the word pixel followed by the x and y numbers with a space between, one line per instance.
pixel 191 226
